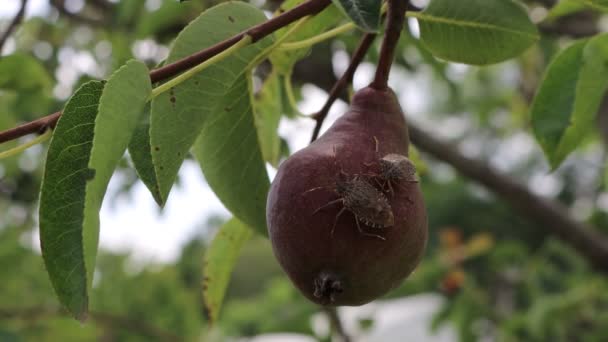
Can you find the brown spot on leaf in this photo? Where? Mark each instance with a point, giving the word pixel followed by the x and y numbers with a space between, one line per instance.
pixel 172 99
pixel 156 148
pixel 231 19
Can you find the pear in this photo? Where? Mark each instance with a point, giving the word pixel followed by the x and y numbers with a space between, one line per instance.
pixel 339 235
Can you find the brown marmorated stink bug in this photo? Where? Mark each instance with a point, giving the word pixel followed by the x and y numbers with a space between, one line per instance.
pixel 394 168
pixel 363 200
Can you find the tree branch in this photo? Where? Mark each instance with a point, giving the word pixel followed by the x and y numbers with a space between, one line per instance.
pixel 257 32
pixel 343 82
pixel 111 320
pixel 310 7
pixel 14 24
pixel 394 25
pixel 550 215
pixel 36 126
pixel 59 5
pixel 336 323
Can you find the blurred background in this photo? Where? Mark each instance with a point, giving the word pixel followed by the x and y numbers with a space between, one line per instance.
pixel 488 273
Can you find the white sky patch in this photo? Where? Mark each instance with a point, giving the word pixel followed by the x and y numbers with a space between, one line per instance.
pixel 134 223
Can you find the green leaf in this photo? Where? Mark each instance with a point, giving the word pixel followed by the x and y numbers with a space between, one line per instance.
pixel 268 106
pixel 219 261
pixel 284 60
pixel 601 5
pixel 141 155
pixel 569 97
pixel 178 116
pixel 30 81
pixel 563 8
pixel 477 32
pixel 364 13
pixel 89 141
pixel 229 153
pixel 62 198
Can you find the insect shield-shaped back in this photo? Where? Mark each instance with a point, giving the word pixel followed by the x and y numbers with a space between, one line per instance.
pixel 367 203
pixel 395 169
pixel 398 167
pixel 360 198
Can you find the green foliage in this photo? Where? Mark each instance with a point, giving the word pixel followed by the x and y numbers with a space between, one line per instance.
pixel 90 140
pixel 364 13
pixel 564 8
pixel 569 97
pixel 219 262
pixel 31 86
pixel 596 4
pixel 268 109
pixel 229 153
pixel 520 286
pixel 63 195
pixel 141 155
pixel 179 116
pixel 283 61
pixel 475 31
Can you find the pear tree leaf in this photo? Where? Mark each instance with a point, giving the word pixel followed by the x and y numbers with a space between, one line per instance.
pixel 569 97
pixel 364 13
pixel 178 115
pixel 268 107
pixel 284 60
pixel 90 139
pixel 477 32
pixel 141 155
pixel 229 153
pixel 219 262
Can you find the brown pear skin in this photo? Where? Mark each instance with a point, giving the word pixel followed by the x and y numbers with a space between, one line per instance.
pixel 346 267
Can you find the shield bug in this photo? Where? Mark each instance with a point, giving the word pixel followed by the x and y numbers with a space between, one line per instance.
pixel 363 200
pixel 394 168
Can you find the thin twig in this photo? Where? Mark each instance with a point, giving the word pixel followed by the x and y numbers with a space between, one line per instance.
pixel 343 82
pixel 257 32
pixel 59 5
pixel 14 24
pixel 111 320
pixel 394 25
pixel 550 215
pixel 36 126
pixel 336 323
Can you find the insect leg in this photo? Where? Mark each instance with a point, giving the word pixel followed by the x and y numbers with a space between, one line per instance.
pixel 336 220
pixel 390 187
pixel 328 204
pixel 365 233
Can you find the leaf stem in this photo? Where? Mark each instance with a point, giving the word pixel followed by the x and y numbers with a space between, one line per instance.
pixel 394 25
pixel 318 38
pixel 16 150
pixel 257 32
pixel 290 94
pixel 245 41
pixel 325 35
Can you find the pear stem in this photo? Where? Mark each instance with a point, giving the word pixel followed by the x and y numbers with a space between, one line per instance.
pixel 343 82
pixel 394 25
